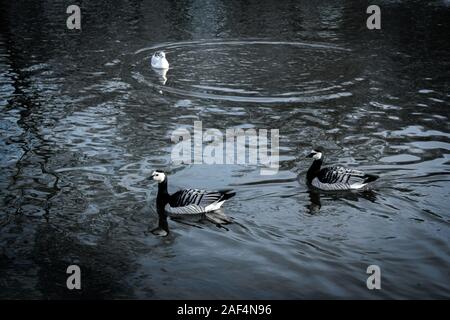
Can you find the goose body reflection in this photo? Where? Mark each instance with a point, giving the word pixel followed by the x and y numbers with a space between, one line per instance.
pixel 336 178
pixel 315 198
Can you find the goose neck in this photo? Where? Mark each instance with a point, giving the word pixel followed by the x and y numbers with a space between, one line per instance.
pixel 162 187
pixel 314 169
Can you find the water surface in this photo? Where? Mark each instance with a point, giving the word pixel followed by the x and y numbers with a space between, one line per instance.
pixel 84 120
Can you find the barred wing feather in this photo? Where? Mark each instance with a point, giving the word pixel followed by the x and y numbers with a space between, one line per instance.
pixel 192 209
pixel 339 178
pixel 186 197
pixel 340 175
pixel 194 196
pixel 195 201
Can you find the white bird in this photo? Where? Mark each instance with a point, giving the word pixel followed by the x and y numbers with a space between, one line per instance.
pixel 335 178
pixel 159 60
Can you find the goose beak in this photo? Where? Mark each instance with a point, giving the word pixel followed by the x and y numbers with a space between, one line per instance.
pixel 310 155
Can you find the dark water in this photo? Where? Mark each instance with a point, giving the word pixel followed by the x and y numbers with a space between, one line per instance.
pixel 84 120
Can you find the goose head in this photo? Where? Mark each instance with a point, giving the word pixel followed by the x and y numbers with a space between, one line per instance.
pixel 158 176
pixel 316 154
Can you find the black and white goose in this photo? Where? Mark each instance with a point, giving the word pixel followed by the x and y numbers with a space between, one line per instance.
pixel 187 201
pixel 336 178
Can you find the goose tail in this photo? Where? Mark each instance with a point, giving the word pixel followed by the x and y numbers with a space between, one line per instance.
pixel 227 194
pixel 370 178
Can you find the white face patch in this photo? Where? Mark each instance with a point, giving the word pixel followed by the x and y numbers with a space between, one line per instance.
pixel 317 156
pixel 158 176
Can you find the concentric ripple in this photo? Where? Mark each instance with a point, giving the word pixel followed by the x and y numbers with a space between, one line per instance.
pixel 230 70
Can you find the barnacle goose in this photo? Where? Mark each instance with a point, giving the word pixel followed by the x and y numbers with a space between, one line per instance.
pixel 159 60
pixel 187 201
pixel 335 178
